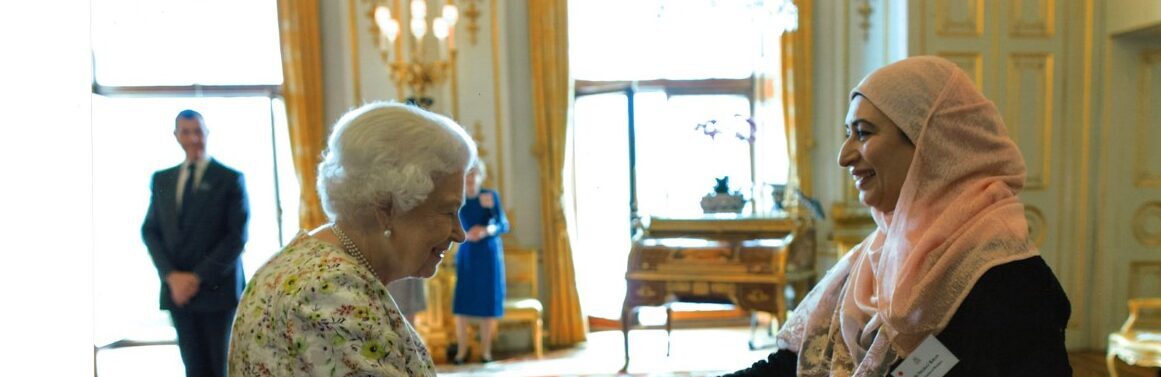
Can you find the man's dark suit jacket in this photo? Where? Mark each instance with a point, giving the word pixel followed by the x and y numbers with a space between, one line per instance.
pixel 208 242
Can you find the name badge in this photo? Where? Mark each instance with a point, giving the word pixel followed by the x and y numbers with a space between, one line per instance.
pixel 931 359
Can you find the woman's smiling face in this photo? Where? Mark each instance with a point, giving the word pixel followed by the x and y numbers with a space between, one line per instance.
pixel 876 153
pixel 422 235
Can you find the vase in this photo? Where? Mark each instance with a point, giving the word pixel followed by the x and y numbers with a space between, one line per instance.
pixel 778 193
pixel 723 203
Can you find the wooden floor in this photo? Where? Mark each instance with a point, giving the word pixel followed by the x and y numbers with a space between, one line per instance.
pixel 695 352
pixel 701 352
pixel 1092 364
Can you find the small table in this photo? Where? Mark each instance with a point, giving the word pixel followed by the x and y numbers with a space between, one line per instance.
pixel 717 258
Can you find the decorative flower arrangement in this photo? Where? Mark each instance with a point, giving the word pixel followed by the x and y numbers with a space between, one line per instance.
pixel 713 128
pixel 721 200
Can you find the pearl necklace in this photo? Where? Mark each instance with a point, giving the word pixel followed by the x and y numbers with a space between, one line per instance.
pixel 352 249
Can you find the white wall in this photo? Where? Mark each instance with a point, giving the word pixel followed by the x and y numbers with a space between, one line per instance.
pixel 338 79
pixel 524 176
pixel 831 83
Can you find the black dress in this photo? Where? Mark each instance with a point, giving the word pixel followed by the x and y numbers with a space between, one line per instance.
pixel 1010 324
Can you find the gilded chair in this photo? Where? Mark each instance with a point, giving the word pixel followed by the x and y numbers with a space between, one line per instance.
pixel 1139 340
pixel 522 305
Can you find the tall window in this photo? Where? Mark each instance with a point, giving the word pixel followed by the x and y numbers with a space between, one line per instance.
pixel 648 74
pixel 152 59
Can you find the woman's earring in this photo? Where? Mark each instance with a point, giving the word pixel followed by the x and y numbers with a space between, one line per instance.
pixel 387 233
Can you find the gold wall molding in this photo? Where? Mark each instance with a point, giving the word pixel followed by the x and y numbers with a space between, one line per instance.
pixel 454 82
pixel 1082 231
pixel 865 11
pixel 1149 108
pixel 472 14
pixel 404 33
pixel 1037 226
pixel 1144 279
pixel 1030 78
pixel 478 135
pixel 497 96
pixel 1147 224
pixel 972 63
pixel 972 25
pixel 1042 25
pixel 353 36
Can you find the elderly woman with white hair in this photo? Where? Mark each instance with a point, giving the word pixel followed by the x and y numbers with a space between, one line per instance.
pixel 392 184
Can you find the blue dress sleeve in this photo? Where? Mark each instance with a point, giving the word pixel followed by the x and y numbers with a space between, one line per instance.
pixel 497 217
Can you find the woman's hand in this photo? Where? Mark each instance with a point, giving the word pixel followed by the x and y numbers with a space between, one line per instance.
pixel 477 233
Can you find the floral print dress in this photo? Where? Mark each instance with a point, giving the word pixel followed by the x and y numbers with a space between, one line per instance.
pixel 312 310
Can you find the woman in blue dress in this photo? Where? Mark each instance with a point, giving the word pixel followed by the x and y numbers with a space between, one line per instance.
pixel 480 287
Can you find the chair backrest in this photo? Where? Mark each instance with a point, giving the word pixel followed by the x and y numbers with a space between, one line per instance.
pixel 1144 315
pixel 521 273
pixel 802 247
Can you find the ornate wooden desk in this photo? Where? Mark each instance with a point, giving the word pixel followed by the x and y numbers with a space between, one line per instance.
pixel 735 259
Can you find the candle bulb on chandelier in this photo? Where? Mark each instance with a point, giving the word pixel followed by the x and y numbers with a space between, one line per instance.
pixel 383 17
pixel 418 9
pixel 418 29
pixel 418 26
pixel 388 27
pixel 440 29
pixel 451 14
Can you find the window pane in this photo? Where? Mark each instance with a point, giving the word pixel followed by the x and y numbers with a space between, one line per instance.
pixel 663 39
pixel 132 138
pixel 676 162
pixel 182 42
pixel 288 189
pixel 602 183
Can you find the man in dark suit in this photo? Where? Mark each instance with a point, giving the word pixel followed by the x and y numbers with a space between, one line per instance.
pixel 195 231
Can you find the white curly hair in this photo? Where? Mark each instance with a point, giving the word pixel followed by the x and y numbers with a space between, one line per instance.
pixel 388 151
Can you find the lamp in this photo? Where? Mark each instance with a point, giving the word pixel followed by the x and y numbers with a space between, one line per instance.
pixel 417 71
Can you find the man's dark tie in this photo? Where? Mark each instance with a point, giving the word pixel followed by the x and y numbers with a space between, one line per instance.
pixel 187 193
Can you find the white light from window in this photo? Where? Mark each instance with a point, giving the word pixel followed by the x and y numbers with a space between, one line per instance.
pixel 181 42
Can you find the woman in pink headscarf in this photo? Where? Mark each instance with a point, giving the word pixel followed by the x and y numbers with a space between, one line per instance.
pixel 950 278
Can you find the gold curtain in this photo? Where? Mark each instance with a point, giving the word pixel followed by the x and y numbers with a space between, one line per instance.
pixel 302 86
pixel 552 96
pixel 796 95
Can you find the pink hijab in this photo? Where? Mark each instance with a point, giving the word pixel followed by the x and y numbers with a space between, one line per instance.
pixel 957 216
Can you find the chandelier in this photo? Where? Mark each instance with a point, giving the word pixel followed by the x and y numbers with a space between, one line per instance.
pixel 422 68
